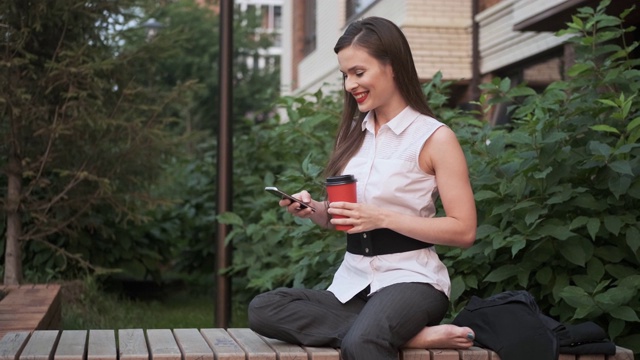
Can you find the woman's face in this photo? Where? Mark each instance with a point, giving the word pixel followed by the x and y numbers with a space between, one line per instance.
pixel 368 80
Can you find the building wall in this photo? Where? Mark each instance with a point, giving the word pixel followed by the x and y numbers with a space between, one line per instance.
pixel 501 46
pixel 290 35
pixel 321 65
pixel 544 72
pixel 440 35
pixel 439 32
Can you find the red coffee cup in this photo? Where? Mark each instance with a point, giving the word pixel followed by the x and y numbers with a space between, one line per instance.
pixel 342 188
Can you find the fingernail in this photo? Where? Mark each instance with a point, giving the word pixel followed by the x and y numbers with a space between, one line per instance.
pixel 470 336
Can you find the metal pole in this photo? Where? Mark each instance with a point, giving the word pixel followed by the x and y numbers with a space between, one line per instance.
pixel 225 148
pixel 475 51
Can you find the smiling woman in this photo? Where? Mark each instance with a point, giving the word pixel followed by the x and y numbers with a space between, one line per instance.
pixel 382 298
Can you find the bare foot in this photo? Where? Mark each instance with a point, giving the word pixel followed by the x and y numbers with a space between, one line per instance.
pixel 445 336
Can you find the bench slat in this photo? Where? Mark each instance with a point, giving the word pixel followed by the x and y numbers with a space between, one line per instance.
pixel 255 348
pixel 205 344
pixel 102 345
pixel 162 345
pixel 223 345
pixel 40 345
pixel 444 354
pixel 72 345
pixel 474 353
pixel 284 350
pixel 132 345
pixel 19 321
pixel 192 344
pixel 12 344
pixel 322 353
pixel 415 354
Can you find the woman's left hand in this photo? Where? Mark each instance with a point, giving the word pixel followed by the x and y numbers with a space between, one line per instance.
pixel 362 217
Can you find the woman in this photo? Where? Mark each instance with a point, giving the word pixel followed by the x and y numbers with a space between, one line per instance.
pixel 402 159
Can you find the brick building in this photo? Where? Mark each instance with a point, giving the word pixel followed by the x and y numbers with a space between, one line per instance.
pixel 469 41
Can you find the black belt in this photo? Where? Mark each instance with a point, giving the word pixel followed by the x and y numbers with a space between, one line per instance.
pixel 381 242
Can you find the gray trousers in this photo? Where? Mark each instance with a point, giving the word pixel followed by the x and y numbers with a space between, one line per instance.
pixel 364 328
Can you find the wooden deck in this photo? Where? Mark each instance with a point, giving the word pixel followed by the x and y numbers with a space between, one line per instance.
pixel 30 307
pixel 203 344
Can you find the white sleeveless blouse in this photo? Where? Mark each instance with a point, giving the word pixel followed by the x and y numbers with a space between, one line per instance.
pixel 388 175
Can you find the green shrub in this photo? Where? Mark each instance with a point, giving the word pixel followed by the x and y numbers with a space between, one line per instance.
pixel 557 190
pixel 271 247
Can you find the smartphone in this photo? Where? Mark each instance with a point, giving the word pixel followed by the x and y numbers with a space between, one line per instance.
pixel 282 195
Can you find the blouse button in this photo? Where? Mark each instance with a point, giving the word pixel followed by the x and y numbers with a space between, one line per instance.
pixel 366 250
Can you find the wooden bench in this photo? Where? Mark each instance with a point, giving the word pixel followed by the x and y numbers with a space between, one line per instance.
pixel 201 344
pixel 30 307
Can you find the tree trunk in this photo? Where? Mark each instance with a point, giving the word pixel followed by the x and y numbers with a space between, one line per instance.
pixel 13 251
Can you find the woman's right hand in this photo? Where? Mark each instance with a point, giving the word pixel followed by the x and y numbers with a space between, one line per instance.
pixel 295 209
pixel 319 217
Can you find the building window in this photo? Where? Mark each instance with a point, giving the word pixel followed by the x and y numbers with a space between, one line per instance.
pixel 309 26
pixel 354 7
pixel 277 17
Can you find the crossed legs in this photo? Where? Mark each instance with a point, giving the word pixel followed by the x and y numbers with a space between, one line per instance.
pixel 364 328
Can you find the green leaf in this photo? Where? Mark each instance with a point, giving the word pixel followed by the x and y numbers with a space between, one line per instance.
pixel 595 269
pixel 578 222
pixel 560 232
pixel 619 185
pixel 622 167
pixel 619 272
pixel 576 297
pixel 485 230
pixel 604 128
pixel 582 312
pixel 575 254
pixel 608 102
pixel 533 215
pixel 505 84
pixel 517 246
pixel 593 226
pixel 626 148
pixel 457 287
pixel 613 224
pixel 633 238
pixel 502 273
pixel 601 285
pixel 522 91
pixel 471 281
pixel 230 218
pixel 588 201
pixel 625 313
pixel 632 281
pixel 633 124
pixel 559 198
pixel 543 276
pixel 599 148
pixel 577 69
pixel 542 174
pixel 523 204
pixel 615 327
pixel 485 194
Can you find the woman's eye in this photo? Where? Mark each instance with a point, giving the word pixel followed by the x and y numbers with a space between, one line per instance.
pixel 358 74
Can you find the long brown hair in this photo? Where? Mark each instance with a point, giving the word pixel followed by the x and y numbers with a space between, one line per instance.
pixel 384 41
